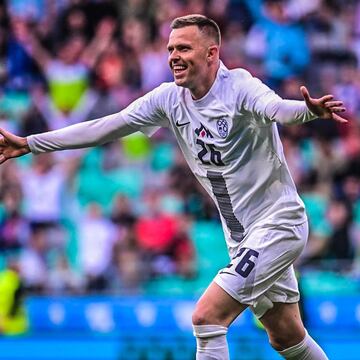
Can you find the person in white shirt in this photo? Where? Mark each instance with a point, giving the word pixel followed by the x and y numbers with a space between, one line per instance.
pixel 225 124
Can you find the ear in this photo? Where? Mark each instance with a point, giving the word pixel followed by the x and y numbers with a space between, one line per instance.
pixel 213 53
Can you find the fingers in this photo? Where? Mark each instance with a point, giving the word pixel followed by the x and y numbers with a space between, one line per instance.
pixel 3 137
pixel 3 144
pixel 335 106
pixel 326 98
pixel 2 156
pixel 330 104
pixel 305 93
pixel 2 159
pixel 337 109
pixel 339 119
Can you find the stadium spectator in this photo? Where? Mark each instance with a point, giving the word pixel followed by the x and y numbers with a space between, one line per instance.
pixel 13 316
pixel 162 239
pixel 68 73
pixel 128 270
pixel 21 70
pixel 42 189
pixel 34 262
pixel 278 42
pixel 14 228
pixel 339 247
pixel 96 242
pixel 122 213
pixel 62 278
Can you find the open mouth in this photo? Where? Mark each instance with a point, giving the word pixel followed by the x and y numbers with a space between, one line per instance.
pixel 179 69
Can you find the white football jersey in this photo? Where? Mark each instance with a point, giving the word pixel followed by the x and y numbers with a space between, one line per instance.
pixel 231 143
pixel 229 139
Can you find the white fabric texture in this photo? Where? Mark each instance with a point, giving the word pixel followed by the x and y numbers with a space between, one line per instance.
pixel 307 349
pixel 211 342
pixel 82 135
pixel 271 252
pixel 229 139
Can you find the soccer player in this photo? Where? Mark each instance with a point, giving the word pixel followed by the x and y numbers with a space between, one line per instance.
pixel 225 124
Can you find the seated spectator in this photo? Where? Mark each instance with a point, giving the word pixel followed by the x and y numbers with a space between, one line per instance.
pixel 62 278
pixel 128 270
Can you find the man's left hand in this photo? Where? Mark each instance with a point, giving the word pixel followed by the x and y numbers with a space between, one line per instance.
pixel 324 107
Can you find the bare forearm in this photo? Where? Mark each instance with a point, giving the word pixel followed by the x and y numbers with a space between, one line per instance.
pixel 86 134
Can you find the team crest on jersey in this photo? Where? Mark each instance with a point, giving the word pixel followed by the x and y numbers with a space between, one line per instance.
pixel 222 127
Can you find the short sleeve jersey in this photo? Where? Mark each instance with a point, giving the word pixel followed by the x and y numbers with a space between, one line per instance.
pixel 231 146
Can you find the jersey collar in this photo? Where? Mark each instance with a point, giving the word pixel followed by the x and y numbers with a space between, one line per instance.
pixel 210 95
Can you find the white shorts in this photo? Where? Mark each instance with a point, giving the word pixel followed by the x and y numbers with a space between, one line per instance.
pixel 262 272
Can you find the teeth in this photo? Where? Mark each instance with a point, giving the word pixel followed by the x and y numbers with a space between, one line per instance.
pixel 179 67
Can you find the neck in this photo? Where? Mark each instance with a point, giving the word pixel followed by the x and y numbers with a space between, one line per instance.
pixel 201 90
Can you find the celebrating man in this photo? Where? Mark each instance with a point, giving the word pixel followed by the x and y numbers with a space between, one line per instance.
pixel 225 123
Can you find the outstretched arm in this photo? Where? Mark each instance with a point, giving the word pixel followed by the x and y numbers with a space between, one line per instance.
pixel 86 134
pixel 288 112
pixel 146 114
pixel 267 106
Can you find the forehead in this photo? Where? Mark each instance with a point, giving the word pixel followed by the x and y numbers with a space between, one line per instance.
pixel 187 34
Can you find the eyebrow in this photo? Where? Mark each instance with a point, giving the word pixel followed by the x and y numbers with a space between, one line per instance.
pixel 180 45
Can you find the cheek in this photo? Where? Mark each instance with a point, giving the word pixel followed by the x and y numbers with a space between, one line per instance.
pixel 192 65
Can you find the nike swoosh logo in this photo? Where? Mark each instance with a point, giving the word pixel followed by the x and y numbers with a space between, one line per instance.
pixel 181 124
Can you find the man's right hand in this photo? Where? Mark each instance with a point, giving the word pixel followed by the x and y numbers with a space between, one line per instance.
pixel 12 146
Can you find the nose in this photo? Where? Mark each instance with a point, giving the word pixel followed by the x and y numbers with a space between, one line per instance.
pixel 173 57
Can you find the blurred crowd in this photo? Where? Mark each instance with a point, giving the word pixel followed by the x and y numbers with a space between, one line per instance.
pixel 111 218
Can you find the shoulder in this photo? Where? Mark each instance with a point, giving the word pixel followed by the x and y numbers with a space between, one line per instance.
pixel 166 96
pixel 165 89
pixel 242 82
pixel 240 74
pixel 159 100
pixel 245 81
pixel 237 75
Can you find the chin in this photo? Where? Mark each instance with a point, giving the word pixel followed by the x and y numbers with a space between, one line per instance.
pixel 180 82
